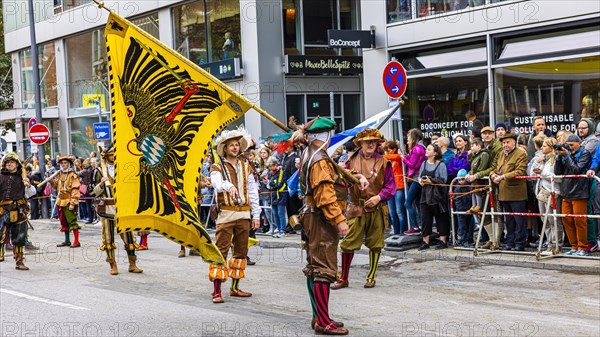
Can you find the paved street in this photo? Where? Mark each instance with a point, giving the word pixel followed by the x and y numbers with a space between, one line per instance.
pixel 69 292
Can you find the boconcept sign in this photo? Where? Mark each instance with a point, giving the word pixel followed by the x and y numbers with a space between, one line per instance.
pixel 350 38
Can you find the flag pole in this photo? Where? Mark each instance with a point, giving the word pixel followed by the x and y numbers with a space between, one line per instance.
pixel 271 118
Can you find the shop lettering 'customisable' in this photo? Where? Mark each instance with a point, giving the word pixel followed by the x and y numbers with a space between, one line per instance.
pixel 554 123
pixel 447 129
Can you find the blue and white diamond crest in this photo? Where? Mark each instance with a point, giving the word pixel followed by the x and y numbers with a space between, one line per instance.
pixel 153 149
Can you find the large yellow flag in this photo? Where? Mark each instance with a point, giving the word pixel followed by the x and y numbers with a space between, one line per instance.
pixel 166 111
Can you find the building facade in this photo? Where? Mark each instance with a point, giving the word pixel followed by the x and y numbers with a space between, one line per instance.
pixel 493 61
pixel 468 62
pixel 247 44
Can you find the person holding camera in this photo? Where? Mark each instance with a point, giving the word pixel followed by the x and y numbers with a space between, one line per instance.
pixel 512 193
pixel 573 159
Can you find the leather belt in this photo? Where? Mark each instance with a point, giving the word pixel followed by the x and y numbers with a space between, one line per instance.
pixel 235 208
pixel 108 202
pixel 10 202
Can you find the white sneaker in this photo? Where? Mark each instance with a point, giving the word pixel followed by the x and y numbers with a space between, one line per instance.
pixel 269 233
pixel 282 235
pixel 276 231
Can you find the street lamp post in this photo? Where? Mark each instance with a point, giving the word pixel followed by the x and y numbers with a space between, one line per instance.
pixel 36 83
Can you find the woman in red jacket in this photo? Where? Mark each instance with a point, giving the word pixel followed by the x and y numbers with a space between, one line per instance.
pixel 396 204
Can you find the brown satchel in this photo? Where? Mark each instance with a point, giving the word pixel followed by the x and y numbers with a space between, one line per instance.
pixel 106 208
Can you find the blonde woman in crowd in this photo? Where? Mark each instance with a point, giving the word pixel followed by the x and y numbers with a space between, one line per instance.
pixel 264 152
pixel 544 167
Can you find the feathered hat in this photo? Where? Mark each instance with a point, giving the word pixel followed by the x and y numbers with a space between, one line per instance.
pixel 240 134
pixel 368 134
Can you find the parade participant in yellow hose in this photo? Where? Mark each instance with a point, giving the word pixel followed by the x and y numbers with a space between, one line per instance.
pixel 237 199
pixel 365 212
pixel 103 180
pixel 67 184
pixel 323 221
pixel 14 189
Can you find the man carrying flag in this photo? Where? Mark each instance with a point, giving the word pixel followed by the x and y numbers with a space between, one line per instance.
pixel 237 199
pixel 104 179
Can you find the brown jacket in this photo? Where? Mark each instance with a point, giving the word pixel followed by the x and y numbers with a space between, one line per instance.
pixel 511 165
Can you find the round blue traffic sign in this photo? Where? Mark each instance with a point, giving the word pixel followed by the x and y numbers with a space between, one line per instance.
pixel 394 79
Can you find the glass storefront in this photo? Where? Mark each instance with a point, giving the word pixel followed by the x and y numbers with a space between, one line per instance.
pixel 310 20
pixel 47 76
pixel 562 91
pixel 447 104
pixel 88 85
pixel 208 30
pixel 346 108
pixel 403 10
pixel 82 136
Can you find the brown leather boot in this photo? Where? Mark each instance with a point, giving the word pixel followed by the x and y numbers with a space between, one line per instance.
pixel 20 265
pixel 113 266
pixel 132 267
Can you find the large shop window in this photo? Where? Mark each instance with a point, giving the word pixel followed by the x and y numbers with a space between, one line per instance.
pixel 562 91
pixel 448 104
pixel 87 69
pixel 402 10
pixel 346 108
pixel 47 76
pixel 208 30
pixel 310 19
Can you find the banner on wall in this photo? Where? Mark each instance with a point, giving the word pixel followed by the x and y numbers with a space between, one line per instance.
pixel 554 123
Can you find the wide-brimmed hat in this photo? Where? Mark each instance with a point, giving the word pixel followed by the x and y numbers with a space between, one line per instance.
pixel 67 158
pixel 509 135
pixel 368 134
pixel 240 134
pixel 11 156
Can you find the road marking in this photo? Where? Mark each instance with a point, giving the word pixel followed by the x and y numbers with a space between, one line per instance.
pixel 43 300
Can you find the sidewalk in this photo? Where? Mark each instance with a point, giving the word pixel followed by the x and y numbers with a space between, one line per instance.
pixel 525 259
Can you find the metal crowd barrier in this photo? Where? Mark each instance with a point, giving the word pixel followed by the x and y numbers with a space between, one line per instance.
pixel 550 212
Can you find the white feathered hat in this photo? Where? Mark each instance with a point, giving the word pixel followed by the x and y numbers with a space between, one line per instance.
pixel 240 134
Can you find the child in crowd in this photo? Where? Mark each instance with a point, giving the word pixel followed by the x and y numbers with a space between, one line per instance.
pixel 479 158
pixel 462 203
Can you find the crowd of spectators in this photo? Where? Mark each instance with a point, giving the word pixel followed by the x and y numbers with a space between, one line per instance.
pixel 423 169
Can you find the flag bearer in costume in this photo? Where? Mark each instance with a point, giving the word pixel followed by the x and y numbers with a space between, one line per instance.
pixel 323 221
pixel 105 209
pixel 365 213
pixel 237 199
pixel 14 207
pixel 67 184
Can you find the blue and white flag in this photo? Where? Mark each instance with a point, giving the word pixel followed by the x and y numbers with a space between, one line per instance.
pixel 341 138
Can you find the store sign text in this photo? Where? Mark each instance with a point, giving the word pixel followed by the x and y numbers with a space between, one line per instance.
pixel 447 129
pixel 554 123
